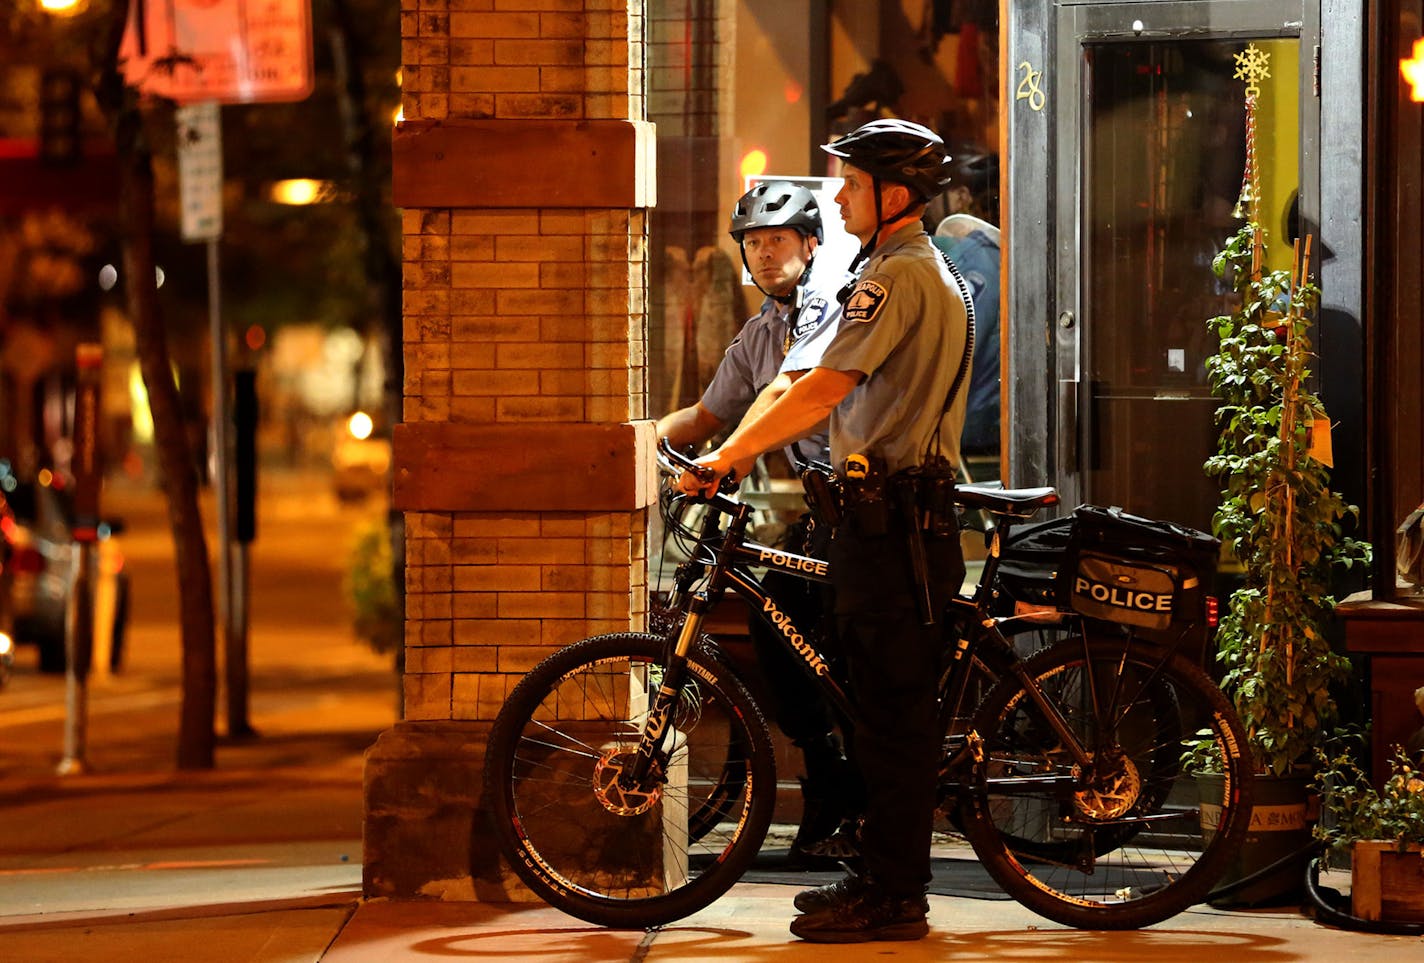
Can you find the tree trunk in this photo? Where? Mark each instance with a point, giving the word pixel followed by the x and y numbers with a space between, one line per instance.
pixel 177 469
pixel 381 268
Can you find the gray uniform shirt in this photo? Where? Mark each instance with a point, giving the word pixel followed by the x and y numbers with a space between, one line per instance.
pixel 754 358
pixel 904 326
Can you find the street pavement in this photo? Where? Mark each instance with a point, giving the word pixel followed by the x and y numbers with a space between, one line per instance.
pixel 259 859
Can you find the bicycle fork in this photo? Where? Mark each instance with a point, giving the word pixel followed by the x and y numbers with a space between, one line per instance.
pixel 646 762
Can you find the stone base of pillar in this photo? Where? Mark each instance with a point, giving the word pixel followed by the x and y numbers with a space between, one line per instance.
pixel 426 832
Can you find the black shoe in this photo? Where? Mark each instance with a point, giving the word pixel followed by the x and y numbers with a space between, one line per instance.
pixel 818 899
pixel 863 913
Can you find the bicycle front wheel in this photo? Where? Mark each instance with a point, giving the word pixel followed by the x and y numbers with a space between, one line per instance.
pixel 606 852
pixel 1120 844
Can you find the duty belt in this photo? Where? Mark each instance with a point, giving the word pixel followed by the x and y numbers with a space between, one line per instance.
pixel 921 499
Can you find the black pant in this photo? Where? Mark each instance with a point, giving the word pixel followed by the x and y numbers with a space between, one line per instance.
pixel 893 666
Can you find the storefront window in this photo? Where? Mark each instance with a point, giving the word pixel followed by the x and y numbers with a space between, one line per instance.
pixel 740 89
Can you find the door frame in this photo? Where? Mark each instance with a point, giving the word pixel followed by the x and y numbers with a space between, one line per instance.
pixel 1045 84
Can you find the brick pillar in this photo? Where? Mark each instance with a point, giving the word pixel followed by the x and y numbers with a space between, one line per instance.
pixel 523 167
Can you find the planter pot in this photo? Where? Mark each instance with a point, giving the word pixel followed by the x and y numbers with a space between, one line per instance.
pixel 1280 828
pixel 1385 883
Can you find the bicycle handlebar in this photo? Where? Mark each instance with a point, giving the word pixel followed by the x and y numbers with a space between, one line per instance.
pixel 674 462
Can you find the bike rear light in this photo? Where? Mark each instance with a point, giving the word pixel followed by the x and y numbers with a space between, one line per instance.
pixel 1213 611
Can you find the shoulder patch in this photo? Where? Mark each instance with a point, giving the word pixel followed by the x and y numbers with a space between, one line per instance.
pixel 865 301
pixel 811 316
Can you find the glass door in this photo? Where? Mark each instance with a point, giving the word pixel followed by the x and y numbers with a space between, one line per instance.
pixel 1159 129
pixel 1164 148
pixel 1146 144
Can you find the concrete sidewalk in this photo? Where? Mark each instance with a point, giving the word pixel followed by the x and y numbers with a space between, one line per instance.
pixel 262 863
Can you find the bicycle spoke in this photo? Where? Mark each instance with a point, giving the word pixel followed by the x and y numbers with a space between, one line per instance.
pixel 594 844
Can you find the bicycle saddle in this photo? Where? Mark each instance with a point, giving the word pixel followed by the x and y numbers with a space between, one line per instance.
pixel 1014 502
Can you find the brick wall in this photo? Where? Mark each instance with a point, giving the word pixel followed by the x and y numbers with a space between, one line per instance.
pixel 517 316
pixel 560 59
pixel 523 167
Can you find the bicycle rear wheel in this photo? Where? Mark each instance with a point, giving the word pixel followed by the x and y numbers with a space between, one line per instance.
pixel 1027 638
pixel 1123 847
pixel 597 850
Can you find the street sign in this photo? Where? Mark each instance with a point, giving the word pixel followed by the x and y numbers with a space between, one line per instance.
pixel 231 51
pixel 200 170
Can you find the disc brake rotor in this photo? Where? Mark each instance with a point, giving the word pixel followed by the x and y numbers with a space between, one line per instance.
pixel 1115 788
pixel 615 798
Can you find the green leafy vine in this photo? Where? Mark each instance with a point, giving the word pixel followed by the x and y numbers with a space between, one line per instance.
pixel 1277 513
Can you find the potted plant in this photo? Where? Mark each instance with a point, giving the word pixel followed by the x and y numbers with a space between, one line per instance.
pixel 1283 524
pixel 1381 829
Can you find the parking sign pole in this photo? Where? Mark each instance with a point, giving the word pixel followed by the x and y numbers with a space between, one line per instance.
pixel 78 645
pixel 79 615
pixel 200 189
pixel 234 642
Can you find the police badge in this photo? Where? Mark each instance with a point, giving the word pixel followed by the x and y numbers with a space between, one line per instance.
pixel 865 301
pixel 809 318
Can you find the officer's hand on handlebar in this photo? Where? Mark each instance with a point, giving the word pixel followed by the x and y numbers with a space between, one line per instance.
pixel 706 475
pixel 712 468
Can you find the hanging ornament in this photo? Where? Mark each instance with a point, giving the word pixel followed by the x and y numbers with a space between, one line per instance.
pixel 1252 67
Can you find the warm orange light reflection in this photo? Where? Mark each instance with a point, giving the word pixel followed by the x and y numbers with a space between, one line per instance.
pixel 753 163
pixel 793 92
pixel 63 8
pixel 1413 71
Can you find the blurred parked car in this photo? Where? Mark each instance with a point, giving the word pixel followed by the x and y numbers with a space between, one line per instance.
pixel 39 564
pixel 361 462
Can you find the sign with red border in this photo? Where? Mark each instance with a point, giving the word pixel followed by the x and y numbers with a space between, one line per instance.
pixel 231 51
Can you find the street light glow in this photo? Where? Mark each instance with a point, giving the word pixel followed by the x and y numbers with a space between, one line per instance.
pixel 753 163
pixel 299 191
pixel 360 426
pixel 62 8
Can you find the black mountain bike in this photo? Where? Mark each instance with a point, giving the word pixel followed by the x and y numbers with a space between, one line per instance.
pixel 631 776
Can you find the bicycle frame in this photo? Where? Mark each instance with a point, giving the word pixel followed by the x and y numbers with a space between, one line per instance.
pixel 730 571
pixel 735 555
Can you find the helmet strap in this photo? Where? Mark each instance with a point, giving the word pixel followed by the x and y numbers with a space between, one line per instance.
pixel 869 247
pixel 880 221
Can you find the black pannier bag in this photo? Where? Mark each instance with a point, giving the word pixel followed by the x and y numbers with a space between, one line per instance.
pixel 1029 560
pixel 1136 571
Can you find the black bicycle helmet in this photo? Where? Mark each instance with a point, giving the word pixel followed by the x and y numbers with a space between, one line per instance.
pixel 899 151
pixel 777 204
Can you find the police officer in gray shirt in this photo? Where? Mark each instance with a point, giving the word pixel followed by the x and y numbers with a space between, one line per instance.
pixel 885 377
pixel 777 225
